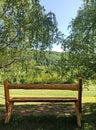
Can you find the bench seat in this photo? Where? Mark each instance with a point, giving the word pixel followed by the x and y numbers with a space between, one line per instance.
pixel 43 99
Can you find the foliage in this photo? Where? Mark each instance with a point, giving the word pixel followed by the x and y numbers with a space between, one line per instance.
pixel 27 34
pixel 81 43
pixel 25 25
pixel 34 66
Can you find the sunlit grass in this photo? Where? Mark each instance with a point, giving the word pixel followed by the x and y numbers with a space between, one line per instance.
pixel 89 99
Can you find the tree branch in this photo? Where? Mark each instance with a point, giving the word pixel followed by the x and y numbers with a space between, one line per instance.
pixel 5 66
pixel 8 44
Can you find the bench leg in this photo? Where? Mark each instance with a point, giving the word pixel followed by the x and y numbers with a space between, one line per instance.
pixel 9 112
pixel 78 114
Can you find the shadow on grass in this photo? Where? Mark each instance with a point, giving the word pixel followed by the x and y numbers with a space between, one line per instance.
pixel 48 117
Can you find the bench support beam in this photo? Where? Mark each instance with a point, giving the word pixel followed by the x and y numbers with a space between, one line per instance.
pixel 78 114
pixel 9 112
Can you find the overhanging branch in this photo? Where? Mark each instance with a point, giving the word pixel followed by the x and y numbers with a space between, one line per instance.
pixel 6 65
pixel 9 43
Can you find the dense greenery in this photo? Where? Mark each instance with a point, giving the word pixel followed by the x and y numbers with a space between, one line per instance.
pixel 35 66
pixel 25 25
pixel 80 45
pixel 27 32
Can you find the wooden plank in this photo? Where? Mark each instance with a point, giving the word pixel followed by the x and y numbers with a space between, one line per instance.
pixel 7 95
pixel 44 86
pixel 80 94
pixel 43 99
pixel 9 112
pixel 78 114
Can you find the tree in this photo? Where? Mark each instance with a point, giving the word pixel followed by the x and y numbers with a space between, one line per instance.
pixel 25 25
pixel 81 43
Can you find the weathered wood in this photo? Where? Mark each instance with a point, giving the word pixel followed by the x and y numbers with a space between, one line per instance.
pixel 6 90
pixel 43 99
pixel 80 95
pixel 74 87
pixel 78 114
pixel 44 86
pixel 9 112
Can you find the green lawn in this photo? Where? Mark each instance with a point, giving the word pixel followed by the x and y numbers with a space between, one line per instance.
pixel 36 116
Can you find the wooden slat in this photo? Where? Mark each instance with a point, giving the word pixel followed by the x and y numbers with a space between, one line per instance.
pixel 43 99
pixel 80 95
pixel 44 86
pixel 7 95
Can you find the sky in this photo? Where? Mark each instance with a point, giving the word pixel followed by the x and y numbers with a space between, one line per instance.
pixel 65 11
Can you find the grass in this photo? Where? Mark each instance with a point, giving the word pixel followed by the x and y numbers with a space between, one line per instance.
pixel 50 116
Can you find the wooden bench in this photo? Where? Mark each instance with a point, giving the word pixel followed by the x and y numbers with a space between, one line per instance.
pixel 9 101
